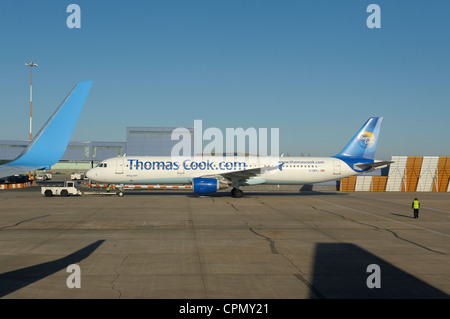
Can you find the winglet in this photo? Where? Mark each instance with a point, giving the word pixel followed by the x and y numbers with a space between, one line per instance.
pixel 49 145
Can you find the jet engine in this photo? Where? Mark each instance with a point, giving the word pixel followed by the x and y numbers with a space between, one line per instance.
pixel 207 185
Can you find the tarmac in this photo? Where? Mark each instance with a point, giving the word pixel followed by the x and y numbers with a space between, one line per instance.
pixel 274 243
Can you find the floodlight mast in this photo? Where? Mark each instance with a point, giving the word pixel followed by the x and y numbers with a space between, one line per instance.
pixel 31 65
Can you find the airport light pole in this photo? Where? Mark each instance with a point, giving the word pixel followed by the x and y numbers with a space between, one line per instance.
pixel 31 65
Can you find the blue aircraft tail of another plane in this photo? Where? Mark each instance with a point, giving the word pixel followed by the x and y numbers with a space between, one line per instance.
pixel 49 145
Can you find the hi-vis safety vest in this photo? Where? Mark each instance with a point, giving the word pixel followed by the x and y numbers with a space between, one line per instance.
pixel 416 204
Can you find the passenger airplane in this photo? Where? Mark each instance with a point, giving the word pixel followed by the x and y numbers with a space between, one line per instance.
pixel 209 174
pixel 49 145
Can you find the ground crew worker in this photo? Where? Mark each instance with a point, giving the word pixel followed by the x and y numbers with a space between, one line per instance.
pixel 416 206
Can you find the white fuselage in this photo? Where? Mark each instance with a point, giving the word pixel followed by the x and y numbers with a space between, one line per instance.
pixel 141 170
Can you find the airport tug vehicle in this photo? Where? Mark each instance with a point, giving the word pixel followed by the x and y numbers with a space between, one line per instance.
pixel 69 188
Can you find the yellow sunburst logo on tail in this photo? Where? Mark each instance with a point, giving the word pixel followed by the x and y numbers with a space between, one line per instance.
pixel 367 139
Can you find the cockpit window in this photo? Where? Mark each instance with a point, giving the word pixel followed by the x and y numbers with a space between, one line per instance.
pixel 102 165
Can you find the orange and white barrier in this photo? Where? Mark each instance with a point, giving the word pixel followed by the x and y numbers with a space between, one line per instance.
pixel 406 174
pixel 17 185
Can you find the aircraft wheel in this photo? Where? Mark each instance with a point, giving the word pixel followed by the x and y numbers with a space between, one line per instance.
pixel 237 193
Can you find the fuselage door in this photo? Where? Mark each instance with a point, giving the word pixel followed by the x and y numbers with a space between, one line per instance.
pixel 336 167
pixel 119 165
pixel 180 170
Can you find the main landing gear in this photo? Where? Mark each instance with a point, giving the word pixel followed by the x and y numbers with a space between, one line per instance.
pixel 237 193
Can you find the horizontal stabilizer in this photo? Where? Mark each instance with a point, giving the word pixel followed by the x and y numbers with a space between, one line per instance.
pixel 372 166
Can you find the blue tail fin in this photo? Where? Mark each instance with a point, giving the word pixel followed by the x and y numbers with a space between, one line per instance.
pixel 49 145
pixel 363 144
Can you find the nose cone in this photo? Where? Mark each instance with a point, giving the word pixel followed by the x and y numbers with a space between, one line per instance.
pixel 90 174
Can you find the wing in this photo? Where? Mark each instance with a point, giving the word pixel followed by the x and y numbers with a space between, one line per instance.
pixel 245 174
pixel 49 145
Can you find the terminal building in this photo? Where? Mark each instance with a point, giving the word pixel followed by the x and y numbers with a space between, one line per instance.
pixel 152 141
pixel 406 174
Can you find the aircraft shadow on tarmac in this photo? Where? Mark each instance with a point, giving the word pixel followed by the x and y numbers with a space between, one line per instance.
pixel 340 272
pixel 248 194
pixel 17 279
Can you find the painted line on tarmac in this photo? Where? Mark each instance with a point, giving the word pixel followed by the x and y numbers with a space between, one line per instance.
pixel 400 203
pixel 387 218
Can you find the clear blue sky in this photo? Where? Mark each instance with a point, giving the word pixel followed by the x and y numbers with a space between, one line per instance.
pixel 313 69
